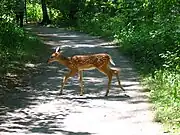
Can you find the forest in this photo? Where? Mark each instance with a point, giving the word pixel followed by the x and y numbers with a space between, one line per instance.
pixel 147 31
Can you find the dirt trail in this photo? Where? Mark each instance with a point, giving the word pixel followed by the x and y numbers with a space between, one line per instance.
pixel 42 111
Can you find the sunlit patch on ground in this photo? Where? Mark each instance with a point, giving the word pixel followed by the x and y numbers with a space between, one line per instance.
pixel 38 109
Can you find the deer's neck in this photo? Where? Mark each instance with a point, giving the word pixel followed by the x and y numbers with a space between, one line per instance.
pixel 64 60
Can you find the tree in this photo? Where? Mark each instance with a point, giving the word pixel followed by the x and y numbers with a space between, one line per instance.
pixel 46 19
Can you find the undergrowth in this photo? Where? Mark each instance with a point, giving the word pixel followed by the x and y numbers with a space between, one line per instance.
pixel 18 47
pixel 165 94
pixel 154 48
pixel 147 31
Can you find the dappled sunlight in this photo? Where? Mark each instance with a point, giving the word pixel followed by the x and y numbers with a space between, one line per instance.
pixel 74 40
pixel 39 109
pixel 62 35
pixel 93 80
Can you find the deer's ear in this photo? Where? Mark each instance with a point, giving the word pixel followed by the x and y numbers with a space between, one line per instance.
pixel 58 49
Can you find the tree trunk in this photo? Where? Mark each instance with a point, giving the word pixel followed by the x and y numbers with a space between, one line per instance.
pixel 26 11
pixel 46 19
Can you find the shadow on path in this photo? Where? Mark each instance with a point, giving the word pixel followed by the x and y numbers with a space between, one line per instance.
pixel 39 109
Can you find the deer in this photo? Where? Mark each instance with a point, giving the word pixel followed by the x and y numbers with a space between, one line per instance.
pixel 79 63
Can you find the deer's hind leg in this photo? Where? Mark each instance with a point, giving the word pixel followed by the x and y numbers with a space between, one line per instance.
pixel 116 72
pixel 107 71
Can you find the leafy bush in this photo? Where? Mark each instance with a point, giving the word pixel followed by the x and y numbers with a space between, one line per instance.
pixel 17 47
pixel 148 32
pixel 165 93
pixel 34 12
pixel 149 44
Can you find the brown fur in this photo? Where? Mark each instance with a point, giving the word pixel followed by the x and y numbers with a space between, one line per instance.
pixel 78 63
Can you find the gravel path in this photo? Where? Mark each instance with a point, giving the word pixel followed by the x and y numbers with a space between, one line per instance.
pixel 37 109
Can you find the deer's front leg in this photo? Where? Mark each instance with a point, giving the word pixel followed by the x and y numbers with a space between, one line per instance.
pixel 70 74
pixel 109 84
pixel 81 83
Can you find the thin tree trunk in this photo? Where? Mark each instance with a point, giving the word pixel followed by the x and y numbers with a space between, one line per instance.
pixel 26 11
pixel 46 19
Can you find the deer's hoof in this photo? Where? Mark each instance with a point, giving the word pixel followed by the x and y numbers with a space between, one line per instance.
pixel 60 93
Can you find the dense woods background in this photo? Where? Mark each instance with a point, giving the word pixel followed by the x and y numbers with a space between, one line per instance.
pixel 148 31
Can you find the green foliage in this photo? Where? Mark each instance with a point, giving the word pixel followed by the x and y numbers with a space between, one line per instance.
pixel 150 44
pixel 147 37
pixel 147 31
pixel 17 47
pixel 6 9
pixel 34 12
pixel 67 10
pixel 165 93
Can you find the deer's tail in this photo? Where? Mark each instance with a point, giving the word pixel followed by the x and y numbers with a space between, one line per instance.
pixel 112 62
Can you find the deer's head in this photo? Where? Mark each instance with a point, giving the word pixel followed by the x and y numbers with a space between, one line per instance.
pixel 54 56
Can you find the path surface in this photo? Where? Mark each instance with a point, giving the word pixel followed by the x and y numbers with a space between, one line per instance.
pixel 37 109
